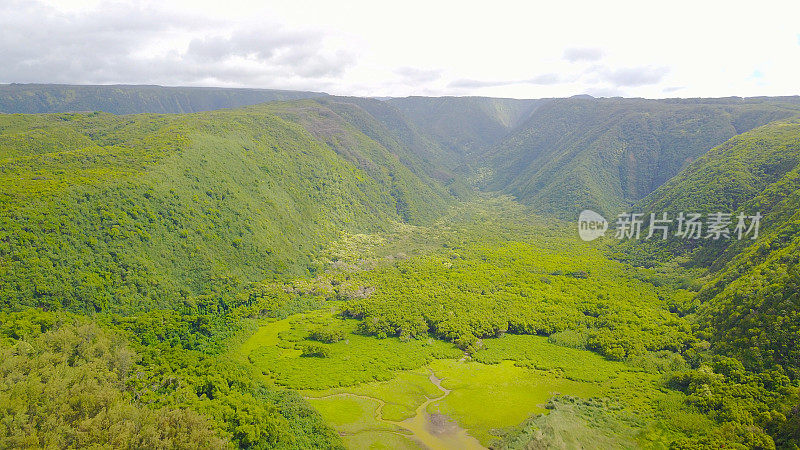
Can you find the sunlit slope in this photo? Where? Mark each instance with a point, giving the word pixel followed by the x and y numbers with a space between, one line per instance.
pixel 396 131
pixel 120 212
pixel 750 304
pixel 605 154
pixel 133 99
pixel 375 143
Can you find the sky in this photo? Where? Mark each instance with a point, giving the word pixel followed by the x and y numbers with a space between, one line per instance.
pixel 371 48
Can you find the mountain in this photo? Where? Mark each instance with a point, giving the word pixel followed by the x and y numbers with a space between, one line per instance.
pixel 104 212
pixel 170 271
pixel 558 155
pixel 404 137
pixel 465 126
pixel 605 154
pixel 125 99
pixel 749 305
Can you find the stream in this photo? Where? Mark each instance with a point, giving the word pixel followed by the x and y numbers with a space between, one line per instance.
pixel 433 431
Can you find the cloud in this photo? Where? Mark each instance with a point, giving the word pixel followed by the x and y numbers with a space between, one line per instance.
pixel 126 44
pixel 415 75
pixel 547 78
pixel 298 52
pixel 259 44
pixel 543 79
pixel 577 54
pixel 603 81
pixel 635 76
pixel 321 45
pixel 466 83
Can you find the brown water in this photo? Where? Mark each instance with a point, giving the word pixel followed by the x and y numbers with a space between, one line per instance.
pixel 432 431
pixel 436 431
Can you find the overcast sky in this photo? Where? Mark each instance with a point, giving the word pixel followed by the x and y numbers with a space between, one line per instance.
pixel 370 48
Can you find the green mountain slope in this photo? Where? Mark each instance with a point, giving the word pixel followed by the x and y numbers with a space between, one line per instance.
pixel 749 305
pixel 103 212
pixel 605 154
pixel 395 130
pixel 465 126
pixel 384 126
pixel 124 99
pixel 177 236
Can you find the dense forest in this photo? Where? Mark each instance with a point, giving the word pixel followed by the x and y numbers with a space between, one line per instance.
pixel 321 271
pixel 605 154
pixel 748 306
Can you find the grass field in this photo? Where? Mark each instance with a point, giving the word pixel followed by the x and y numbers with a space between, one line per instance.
pixel 486 397
pixel 379 385
pixel 371 390
pixel 277 350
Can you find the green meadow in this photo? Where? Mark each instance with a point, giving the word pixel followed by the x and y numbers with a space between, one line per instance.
pixel 342 272
pixel 514 378
pixel 380 389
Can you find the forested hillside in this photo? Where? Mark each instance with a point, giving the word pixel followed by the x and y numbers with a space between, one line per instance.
pixel 604 154
pixel 334 271
pixel 749 306
pixel 124 212
pixel 387 126
pixel 444 164
pixel 466 125
pixel 166 231
pixel 124 99
pixel 558 155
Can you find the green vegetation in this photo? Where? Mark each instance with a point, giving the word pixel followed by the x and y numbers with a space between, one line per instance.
pixel 165 228
pixel 573 422
pixel 738 400
pixel 405 139
pixel 121 99
pixel 266 277
pixel 644 399
pixel 89 224
pixel 511 378
pixel 515 394
pixel 604 154
pixel 67 382
pixel 353 360
pixel 748 307
pixel 472 292
pixel 64 385
pixel 465 126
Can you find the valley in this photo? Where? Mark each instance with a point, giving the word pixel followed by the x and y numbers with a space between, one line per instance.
pixel 402 391
pixel 336 272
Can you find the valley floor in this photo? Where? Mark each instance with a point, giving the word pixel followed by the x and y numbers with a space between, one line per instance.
pixel 452 402
pixel 399 391
pixel 490 328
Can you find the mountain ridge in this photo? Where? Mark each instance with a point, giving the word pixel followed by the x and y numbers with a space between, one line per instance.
pixel 605 154
pixel 133 99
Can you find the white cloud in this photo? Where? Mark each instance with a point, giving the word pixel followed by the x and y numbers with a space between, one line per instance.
pixel 416 75
pixel 635 76
pixel 576 54
pixel 506 48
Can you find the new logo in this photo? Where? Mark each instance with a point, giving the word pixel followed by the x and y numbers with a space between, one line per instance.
pixel 591 225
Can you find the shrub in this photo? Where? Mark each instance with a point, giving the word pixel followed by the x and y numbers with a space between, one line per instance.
pixel 315 351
